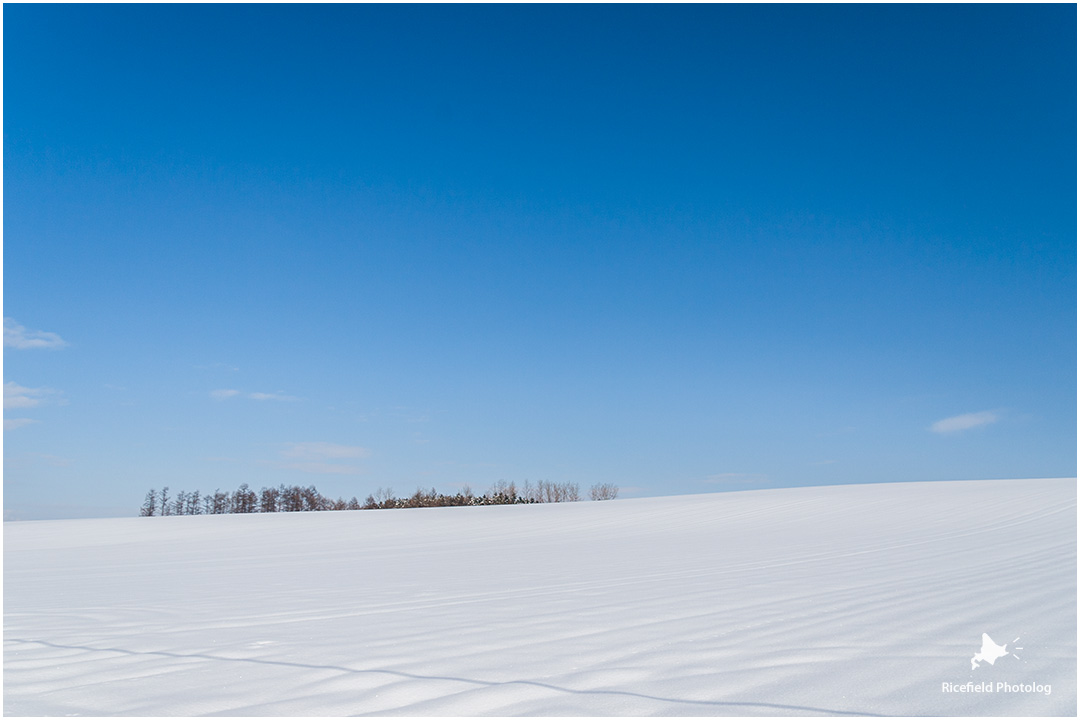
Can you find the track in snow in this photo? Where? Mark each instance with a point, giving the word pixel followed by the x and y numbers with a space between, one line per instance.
pixel 858 599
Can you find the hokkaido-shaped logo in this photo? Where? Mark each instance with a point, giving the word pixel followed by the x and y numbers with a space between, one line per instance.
pixel 991 651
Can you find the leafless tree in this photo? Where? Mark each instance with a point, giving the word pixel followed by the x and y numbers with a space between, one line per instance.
pixel 551 492
pixel 384 497
pixel 244 500
pixel 221 503
pixel 294 498
pixel 312 499
pixel 503 493
pixel 604 491
pixel 547 492
pixel 268 500
pixel 291 498
pixel 180 503
pixel 530 493
pixel 149 506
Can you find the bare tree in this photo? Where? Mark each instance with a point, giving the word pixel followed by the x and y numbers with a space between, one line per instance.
pixel 268 500
pixel 149 505
pixel 244 500
pixel 312 499
pixel 550 492
pixel 547 492
pixel 221 503
pixel 292 498
pixel 384 497
pixel 180 503
pixel 604 491
pixel 529 493
pixel 503 493
pixel 416 500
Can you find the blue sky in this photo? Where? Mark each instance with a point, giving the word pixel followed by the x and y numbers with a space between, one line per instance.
pixel 679 248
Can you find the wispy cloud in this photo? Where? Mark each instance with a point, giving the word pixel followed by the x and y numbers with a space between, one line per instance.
pixel 18 337
pixel 271 396
pixel 959 423
pixel 322 468
pixel 227 394
pixel 322 458
pixel 736 479
pixel 17 396
pixel 322 451
pixel 16 423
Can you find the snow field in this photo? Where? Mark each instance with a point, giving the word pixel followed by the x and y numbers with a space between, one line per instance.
pixel 858 599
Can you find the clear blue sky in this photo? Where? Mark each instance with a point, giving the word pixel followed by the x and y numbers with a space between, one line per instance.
pixel 679 248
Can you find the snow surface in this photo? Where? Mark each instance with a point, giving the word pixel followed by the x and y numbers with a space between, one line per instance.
pixel 858 599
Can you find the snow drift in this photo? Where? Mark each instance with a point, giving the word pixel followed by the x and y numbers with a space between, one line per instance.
pixel 844 600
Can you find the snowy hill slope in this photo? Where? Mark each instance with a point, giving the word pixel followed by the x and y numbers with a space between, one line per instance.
pixel 859 599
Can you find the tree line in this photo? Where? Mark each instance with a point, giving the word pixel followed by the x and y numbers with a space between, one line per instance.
pixel 294 498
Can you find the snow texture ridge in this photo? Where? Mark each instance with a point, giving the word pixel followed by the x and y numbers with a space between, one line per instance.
pixel 842 600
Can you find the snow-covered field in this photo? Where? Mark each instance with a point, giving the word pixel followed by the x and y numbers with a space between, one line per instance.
pixel 859 599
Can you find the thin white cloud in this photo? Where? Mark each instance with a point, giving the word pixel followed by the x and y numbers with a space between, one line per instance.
pixel 17 396
pixel 16 423
pixel 958 423
pixel 732 478
pixel 18 337
pixel 227 394
pixel 322 468
pixel 322 451
pixel 271 396
pixel 322 458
